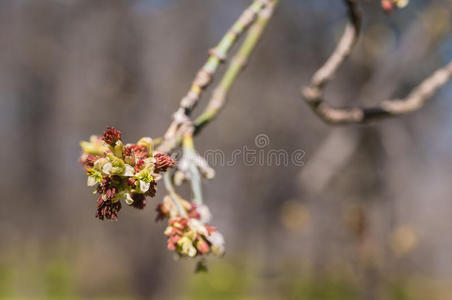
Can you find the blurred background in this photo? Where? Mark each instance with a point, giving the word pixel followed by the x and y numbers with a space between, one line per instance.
pixel 368 215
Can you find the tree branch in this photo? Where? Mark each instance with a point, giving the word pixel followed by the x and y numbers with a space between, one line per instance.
pixel 238 63
pixel 314 93
pixel 257 14
pixel 205 74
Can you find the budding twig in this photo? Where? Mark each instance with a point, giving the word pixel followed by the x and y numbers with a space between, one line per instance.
pixel 238 63
pixel 219 55
pixel 204 76
pixel 314 93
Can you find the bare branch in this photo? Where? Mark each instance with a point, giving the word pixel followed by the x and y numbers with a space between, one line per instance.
pixel 314 93
pixel 254 20
pixel 204 76
pixel 238 63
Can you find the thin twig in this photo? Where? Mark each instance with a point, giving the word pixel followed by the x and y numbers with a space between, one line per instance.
pixel 238 63
pixel 205 75
pixel 195 177
pixel 314 93
pixel 172 193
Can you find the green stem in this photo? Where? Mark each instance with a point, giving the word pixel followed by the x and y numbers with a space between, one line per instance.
pixel 173 138
pixel 219 54
pixel 195 180
pixel 204 76
pixel 238 63
pixel 174 196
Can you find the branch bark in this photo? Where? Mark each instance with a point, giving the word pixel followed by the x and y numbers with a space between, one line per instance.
pixel 314 93
pixel 238 63
pixel 254 19
pixel 204 76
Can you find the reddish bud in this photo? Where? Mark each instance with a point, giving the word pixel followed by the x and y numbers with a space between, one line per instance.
pixel 202 246
pixel 111 136
pixel 193 212
pixel 211 229
pixel 163 162
pixel 107 209
pixel 162 212
pixel 139 201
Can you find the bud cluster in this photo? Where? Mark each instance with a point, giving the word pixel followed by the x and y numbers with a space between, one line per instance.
pixel 130 173
pixel 188 235
pixel 122 172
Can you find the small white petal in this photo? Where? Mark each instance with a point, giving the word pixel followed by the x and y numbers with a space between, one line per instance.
pixel 129 171
pixel 107 168
pixel 91 181
pixel 168 230
pixel 144 186
pixel 197 226
pixel 98 164
pixel 216 238
pixel 149 163
pixel 192 251
pixel 217 241
pixel 129 199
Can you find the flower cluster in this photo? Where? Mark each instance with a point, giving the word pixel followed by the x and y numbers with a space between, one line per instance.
pixel 122 172
pixel 188 235
pixel 130 173
pixel 390 5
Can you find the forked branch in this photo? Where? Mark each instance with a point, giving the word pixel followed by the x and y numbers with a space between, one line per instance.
pixel 314 94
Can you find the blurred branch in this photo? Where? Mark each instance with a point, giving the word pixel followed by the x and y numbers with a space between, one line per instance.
pixel 238 63
pixel 314 93
pixel 414 46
